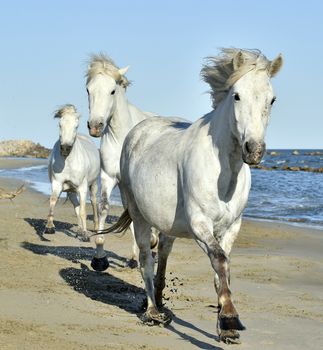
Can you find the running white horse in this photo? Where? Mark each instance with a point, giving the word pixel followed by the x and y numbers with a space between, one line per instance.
pixel 193 180
pixel 74 166
pixel 111 117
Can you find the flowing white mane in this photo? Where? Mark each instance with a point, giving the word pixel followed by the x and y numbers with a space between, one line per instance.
pixel 102 64
pixel 67 109
pixel 219 71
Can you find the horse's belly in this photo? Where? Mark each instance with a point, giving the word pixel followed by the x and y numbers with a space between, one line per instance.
pixel 156 197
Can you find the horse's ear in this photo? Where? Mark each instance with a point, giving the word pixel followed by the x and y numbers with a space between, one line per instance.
pixel 275 65
pixel 238 60
pixel 123 71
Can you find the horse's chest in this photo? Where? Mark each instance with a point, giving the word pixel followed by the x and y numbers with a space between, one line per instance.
pixel 229 201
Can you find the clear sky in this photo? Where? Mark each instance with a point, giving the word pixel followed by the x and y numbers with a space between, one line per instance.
pixel 45 44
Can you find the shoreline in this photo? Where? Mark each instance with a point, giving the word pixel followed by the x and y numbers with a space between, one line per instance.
pixel 19 162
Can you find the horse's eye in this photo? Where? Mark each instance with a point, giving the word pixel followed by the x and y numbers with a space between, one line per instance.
pixel 112 92
pixel 273 100
pixel 236 96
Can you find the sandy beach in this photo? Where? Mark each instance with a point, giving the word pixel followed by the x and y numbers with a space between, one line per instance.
pixel 50 298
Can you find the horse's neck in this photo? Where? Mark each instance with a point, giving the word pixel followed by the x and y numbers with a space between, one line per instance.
pixel 124 118
pixel 227 146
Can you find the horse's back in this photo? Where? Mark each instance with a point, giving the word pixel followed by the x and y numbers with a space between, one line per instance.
pixel 153 130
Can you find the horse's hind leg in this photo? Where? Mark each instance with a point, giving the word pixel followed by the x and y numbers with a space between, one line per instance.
pixel 146 261
pixel 82 192
pixel 76 204
pixel 56 191
pixel 133 261
pixel 165 246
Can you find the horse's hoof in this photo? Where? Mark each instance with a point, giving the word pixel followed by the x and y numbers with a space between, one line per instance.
pixel 230 323
pixel 152 318
pixel 100 264
pixel 83 236
pixel 132 263
pixel 49 230
pixel 230 337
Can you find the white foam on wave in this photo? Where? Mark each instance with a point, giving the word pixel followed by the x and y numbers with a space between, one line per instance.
pixel 30 168
pixel 41 187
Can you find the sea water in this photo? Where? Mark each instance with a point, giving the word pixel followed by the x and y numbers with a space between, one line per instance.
pixel 290 196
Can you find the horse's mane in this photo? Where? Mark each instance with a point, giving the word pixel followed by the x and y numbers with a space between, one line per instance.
pixel 220 74
pixel 102 64
pixel 66 109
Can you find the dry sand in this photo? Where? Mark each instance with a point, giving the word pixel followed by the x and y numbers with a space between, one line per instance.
pixel 50 298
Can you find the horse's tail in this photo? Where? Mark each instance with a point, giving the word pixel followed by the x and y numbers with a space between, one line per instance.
pixel 120 226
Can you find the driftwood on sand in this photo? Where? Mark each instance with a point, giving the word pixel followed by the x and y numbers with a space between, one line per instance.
pixel 11 195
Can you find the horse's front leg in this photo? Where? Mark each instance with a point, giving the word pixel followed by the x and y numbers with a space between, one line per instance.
pixel 229 320
pixel 56 191
pixel 107 185
pixel 100 261
pixel 93 193
pixel 229 336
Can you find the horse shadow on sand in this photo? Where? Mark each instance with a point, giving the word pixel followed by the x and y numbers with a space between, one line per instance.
pixel 40 224
pixel 103 286
pixel 71 253
pixel 108 289
pixel 60 226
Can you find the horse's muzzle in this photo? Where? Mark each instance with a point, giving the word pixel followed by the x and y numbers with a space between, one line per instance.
pixel 65 150
pixel 95 130
pixel 253 152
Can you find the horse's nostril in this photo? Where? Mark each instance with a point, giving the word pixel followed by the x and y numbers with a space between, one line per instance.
pixel 248 147
pixel 88 125
pixel 100 125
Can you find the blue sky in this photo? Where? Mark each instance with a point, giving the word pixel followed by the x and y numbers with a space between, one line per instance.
pixel 45 45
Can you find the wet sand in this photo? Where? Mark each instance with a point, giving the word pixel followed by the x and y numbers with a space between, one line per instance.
pixel 50 298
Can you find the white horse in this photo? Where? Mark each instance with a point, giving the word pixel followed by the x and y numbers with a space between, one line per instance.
pixel 111 117
pixel 192 180
pixel 74 166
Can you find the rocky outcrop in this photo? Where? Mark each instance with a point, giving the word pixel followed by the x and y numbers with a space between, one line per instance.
pixel 288 168
pixel 23 148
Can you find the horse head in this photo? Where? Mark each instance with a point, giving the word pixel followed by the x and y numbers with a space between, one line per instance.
pixel 103 82
pixel 242 79
pixel 68 124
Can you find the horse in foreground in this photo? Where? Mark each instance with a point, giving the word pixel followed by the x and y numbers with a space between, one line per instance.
pixel 193 180
pixel 111 118
pixel 74 166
